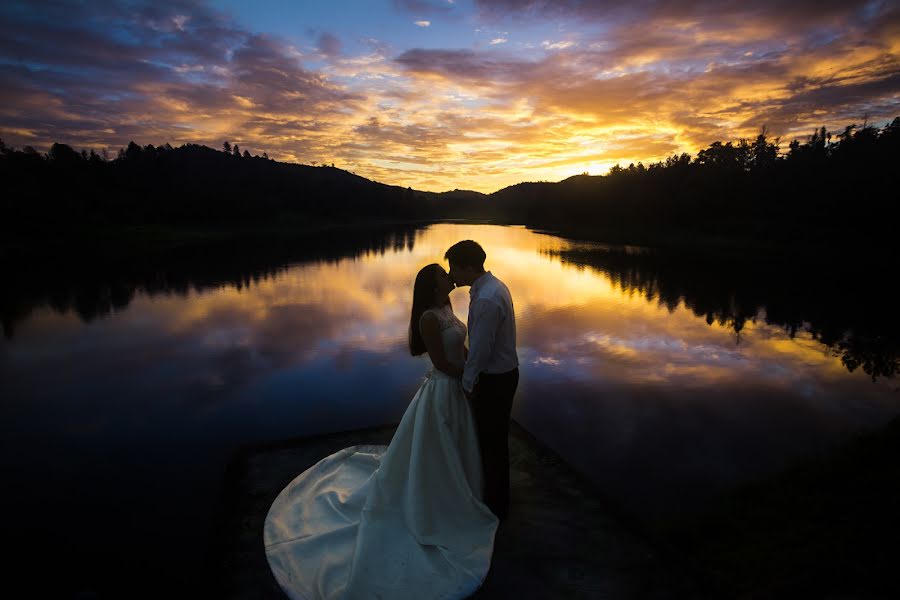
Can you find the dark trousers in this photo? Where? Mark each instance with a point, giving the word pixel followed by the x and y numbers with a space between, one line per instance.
pixel 491 404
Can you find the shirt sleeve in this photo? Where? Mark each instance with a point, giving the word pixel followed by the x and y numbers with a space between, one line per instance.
pixel 484 318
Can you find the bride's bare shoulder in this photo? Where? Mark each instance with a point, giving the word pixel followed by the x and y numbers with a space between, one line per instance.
pixel 429 319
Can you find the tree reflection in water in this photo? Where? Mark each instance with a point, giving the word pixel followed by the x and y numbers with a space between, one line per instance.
pixel 836 301
pixel 840 304
pixel 97 285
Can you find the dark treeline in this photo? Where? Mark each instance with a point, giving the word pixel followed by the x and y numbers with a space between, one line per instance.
pixel 838 189
pixel 191 185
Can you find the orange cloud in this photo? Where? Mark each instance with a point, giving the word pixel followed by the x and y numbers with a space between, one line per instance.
pixel 617 88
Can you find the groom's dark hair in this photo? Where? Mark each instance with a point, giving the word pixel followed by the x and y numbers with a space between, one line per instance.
pixel 467 253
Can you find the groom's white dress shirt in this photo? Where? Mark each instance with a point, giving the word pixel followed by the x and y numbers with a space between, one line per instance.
pixel 492 330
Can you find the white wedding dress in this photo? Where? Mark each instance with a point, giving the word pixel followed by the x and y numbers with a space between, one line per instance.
pixel 398 521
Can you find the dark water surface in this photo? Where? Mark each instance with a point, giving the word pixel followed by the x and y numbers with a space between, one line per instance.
pixel 126 388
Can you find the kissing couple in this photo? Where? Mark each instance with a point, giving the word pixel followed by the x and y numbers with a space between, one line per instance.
pixel 417 518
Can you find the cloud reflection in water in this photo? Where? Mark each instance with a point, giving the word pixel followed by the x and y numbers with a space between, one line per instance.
pixel 644 395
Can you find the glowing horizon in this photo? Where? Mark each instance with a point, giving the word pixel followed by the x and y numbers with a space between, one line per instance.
pixel 443 94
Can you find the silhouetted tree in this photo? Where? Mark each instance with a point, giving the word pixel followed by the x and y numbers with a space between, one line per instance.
pixel 132 151
pixel 816 149
pixel 226 147
pixel 677 161
pixel 763 153
pixel 247 154
pixel 724 156
pixel 62 154
pixel 236 151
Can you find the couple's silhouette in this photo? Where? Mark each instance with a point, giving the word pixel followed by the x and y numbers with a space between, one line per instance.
pixel 417 518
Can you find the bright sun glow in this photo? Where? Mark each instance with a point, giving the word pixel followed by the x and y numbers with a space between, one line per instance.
pixel 455 96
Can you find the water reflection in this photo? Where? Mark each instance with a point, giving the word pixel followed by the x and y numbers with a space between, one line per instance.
pixel 856 323
pixel 841 305
pixel 632 369
pixel 94 286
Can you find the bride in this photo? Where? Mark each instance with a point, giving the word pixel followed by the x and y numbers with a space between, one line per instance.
pixel 398 521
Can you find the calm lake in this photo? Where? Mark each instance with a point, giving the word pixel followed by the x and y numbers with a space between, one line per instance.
pixel 126 391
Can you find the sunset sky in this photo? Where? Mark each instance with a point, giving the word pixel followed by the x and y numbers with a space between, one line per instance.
pixel 444 94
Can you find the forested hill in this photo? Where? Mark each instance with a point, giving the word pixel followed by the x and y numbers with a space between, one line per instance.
pixel 837 189
pixel 191 185
pixel 829 188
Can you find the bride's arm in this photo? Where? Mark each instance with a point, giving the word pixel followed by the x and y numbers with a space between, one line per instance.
pixel 431 335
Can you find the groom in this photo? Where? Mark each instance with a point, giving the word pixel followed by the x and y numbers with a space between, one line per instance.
pixel 491 373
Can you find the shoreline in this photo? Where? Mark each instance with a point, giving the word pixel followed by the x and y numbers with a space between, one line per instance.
pixel 52 241
pixel 42 242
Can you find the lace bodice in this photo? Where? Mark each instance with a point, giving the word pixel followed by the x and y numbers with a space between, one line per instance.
pixel 453 334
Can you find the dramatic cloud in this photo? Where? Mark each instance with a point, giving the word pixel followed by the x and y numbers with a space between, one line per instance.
pixel 517 90
pixel 329 45
pixel 178 73
pixel 464 65
pixel 676 82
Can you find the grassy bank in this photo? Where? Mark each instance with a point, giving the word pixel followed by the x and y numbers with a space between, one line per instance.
pixel 827 528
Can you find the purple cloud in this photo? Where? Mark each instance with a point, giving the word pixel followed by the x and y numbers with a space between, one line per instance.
pixel 463 64
pixel 109 72
pixel 329 45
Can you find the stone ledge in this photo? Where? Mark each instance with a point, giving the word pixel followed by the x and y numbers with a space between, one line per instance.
pixel 561 540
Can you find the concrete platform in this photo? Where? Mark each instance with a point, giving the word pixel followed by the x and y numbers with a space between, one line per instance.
pixel 561 540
